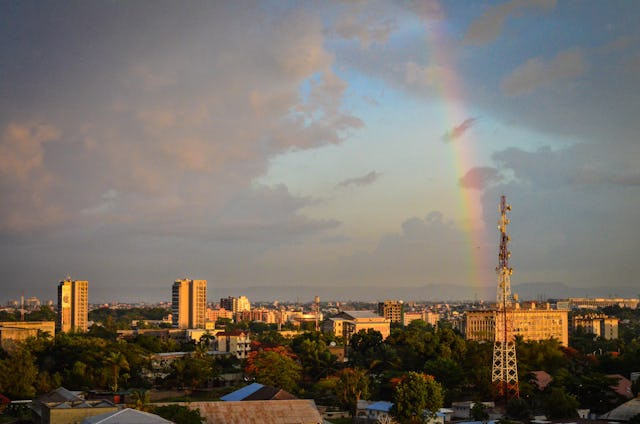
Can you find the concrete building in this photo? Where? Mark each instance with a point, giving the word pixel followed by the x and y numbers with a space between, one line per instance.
pixel 18 331
pixel 532 324
pixel 429 317
pixel 235 304
pixel 236 342
pixel 214 314
pixel 347 323
pixel 73 305
pixel 393 310
pixel 189 303
pixel 597 324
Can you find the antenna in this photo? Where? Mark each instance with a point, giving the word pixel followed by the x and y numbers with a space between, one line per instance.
pixel 505 368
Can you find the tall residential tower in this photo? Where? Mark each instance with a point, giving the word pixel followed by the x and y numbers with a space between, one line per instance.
pixel 73 305
pixel 189 303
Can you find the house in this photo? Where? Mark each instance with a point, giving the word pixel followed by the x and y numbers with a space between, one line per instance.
pixel 62 406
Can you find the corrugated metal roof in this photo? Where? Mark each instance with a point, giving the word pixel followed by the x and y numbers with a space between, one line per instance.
pixel 380 406
pixel 299 411
pixel 126 416
pixel 242 393
pixel 362 314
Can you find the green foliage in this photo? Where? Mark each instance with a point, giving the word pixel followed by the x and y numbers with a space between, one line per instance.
pixel 194 371
pixel 18 374
pixel 120 319
pixel 271 338
pixel 313 353
pixel 479 411
pixel 559 404
pixel 416 397
pixel 351 385
pixel 274 367
pixel 179 414
pixel 364 347
pixel 518 409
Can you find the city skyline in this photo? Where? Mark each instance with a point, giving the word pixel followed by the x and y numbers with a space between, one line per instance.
pixel 315 145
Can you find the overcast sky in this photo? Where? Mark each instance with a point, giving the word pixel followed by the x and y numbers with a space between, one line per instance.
pixel 310 144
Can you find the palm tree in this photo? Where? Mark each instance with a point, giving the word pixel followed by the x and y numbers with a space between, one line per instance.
pixel 116 361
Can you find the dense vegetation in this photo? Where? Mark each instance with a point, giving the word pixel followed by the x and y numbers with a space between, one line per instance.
pixel 412 361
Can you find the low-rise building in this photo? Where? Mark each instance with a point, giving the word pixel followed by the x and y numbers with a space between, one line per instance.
pixel 597 324
pixel 17 331
pixel 347 323
pixel 236 342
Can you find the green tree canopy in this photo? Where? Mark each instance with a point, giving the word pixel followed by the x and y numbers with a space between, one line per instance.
pixel 274 367
pixel 179 414
pixel 416 397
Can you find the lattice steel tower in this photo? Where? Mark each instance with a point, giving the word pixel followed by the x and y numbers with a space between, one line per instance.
pixel 505 368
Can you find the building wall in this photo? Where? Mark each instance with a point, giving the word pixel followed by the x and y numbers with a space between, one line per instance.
pixel 189 303
pixel 73 306
pixel 392 310
pixel 531 324
pixel 597 324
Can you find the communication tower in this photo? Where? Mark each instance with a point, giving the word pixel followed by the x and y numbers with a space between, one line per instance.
pixel 505 368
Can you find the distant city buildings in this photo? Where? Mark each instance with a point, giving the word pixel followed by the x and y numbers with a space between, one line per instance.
pixel 189 303
pixel 601 302
pixel 531 323
pixel 73 305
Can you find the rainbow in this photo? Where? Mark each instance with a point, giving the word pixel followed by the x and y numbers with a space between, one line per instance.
pixel 477 254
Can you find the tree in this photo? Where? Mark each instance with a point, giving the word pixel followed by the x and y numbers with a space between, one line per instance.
pixel 363 347
pixel 313 353
pixel 274 367
pixel 518 409
pixel 416 397
pixel 179 414
pixel 116 361
pixel 352 384
pixel 479 412
pixel 18 374
pixel 140 399
pixel 560 404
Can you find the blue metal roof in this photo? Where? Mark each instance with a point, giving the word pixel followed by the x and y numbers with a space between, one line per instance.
pixel 380 406
pixel 242 393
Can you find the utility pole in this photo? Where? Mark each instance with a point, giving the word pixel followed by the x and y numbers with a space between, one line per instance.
pixel 505 367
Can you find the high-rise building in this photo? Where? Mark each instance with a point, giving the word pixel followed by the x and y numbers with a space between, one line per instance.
pixel 243 304
pixel 392 310
pixel 229 303
pixel 189 303
pixel 73 305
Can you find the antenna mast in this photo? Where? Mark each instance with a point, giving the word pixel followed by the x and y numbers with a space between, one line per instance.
pixel 505 368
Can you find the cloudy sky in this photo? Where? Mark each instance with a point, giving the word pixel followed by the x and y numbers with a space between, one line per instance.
pixel 314 144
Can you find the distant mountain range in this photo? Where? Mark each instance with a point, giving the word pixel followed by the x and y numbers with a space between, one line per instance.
pixel 436 292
